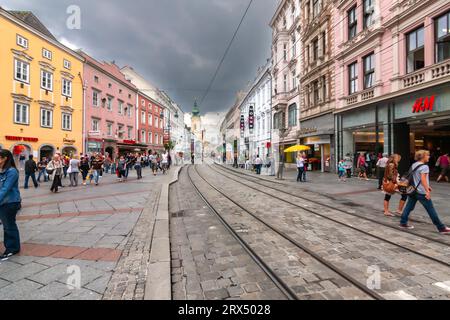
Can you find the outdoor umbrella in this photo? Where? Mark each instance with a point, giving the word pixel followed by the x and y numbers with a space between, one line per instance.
pixel 297 148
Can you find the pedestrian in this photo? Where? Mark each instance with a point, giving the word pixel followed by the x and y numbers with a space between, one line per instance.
pixel 193 159
pixel 258 164
pixel 305 167
pixel 422 192
pixel 342 170
pixel 348 165
pixel 362 167
pixel 42 165
pixel 30 172
pixel 66 161
pixel 300 168
pixel 390 185
pixel 97 168
pixel 164 162
pixel 107 163
pixel 138 165
pixel 121 168
pixel 443 163
pixel 381 168
pixel 169 161
pixel 74 171
pixel 84 168
pixel 55 169
pixel 10 204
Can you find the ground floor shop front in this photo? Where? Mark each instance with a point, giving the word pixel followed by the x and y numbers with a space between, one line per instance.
pixel 22 147
pixel 403 125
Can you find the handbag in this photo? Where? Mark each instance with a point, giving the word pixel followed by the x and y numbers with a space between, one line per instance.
pixel 389 186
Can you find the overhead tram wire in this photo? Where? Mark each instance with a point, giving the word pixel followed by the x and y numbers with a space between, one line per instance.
pixel 226 53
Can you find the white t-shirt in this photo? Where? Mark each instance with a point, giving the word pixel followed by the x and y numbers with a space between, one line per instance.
pixel 300 163
pixel 164 158
pixel 418 176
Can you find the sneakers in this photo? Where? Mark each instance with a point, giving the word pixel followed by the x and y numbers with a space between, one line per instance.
pixel 7 255
pixel 406 226
pixel 445 231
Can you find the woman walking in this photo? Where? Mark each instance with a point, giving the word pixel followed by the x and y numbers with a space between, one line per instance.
pixel 390 185
pixel 421 175
pixel 74 171
pixel 300 167
pixel 84 168
pixel 443 162
pixel 342 171
pixel 138 165
pixel 10 204
pixel 56 168
pixel 362 167
pixel 121 168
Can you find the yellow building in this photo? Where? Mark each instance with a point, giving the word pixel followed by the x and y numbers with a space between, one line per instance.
pixel 41 90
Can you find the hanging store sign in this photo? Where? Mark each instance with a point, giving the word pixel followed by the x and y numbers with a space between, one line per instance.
pixel 423 104
pixel 251 118
pixel 242 125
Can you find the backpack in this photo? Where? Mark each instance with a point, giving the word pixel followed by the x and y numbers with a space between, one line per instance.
pixel 406 183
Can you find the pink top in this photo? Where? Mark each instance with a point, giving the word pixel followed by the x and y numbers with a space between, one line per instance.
pixel 444 161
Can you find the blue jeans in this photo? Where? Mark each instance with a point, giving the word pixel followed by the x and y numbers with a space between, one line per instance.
pixel 96 175
pixel 427 204
pixel 42 172
pixel 27 178
pixel 8 214
pixel 300 174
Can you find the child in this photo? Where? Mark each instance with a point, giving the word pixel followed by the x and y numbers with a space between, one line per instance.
pixel 91 176
pixel 342 170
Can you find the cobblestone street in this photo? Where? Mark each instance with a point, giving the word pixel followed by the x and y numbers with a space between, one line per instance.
pixel 101 233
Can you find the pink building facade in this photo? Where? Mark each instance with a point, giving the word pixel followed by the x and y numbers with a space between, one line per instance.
pixel 392 75
pixel 110 109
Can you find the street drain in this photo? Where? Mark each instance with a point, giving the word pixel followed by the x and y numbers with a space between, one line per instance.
pixel 178 214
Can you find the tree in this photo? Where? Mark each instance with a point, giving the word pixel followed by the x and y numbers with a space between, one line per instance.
pixel 170 145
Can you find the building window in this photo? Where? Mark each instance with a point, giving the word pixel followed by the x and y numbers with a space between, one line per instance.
pixel 316 93
pixel 368 11
pixel 109 129
pixel 95 125
pixel 352 23
pixel 294 80
pixel 307 11
pixel 315 47
pixel 95 98
pixel 67 64
pixel 120 131
pixel 292 115
pixel 46 80
pixel 161 141
pixel 316 8
pixel 129 108
pixel 66 88
pixel 324 88
pixel 156 122
pixel 22 72
pixel 143 136
pixel 21 41
pixel 285 52
pixel 156 138
pixel 416 50
pixel 443 37
pixel 294 47
pixel 47 54
pixel 130 132
pixel 150 120
pixel 95 79
pixel 150 138
pixel 46 118
pixel 109 85
pixel 285 83
pixel 353 77
pixel 161 123
pixel 324 43
pixel 21 113
pixel 143 117
pixel 67 121
pixel 369 71
pixel 109 104
pixel 120 107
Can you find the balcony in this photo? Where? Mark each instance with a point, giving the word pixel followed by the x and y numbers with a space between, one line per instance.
pixel 280 99
pixel 360 97
pixel 426 75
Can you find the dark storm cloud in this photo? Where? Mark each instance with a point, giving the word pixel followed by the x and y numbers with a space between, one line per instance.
pixel 176 44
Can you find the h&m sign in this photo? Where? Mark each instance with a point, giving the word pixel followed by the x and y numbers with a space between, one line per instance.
pixel 424 104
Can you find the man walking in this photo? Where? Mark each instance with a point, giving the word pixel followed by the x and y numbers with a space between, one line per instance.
pixel 381 169
pixel 96 166
pixel 30 171
pixel 42 165
pixel 258 164
pixel 421 174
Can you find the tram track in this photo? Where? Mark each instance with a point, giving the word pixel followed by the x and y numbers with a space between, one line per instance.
pixel 240 175
pixel 260 261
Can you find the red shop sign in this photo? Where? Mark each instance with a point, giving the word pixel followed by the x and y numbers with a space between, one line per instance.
pixel 423 104
pixel 14 138
pixel 129 142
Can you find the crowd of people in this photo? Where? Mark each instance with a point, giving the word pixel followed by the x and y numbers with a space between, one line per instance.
pixel 90 167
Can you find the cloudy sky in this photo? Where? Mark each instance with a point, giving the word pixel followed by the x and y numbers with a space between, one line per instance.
pixel 176 44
